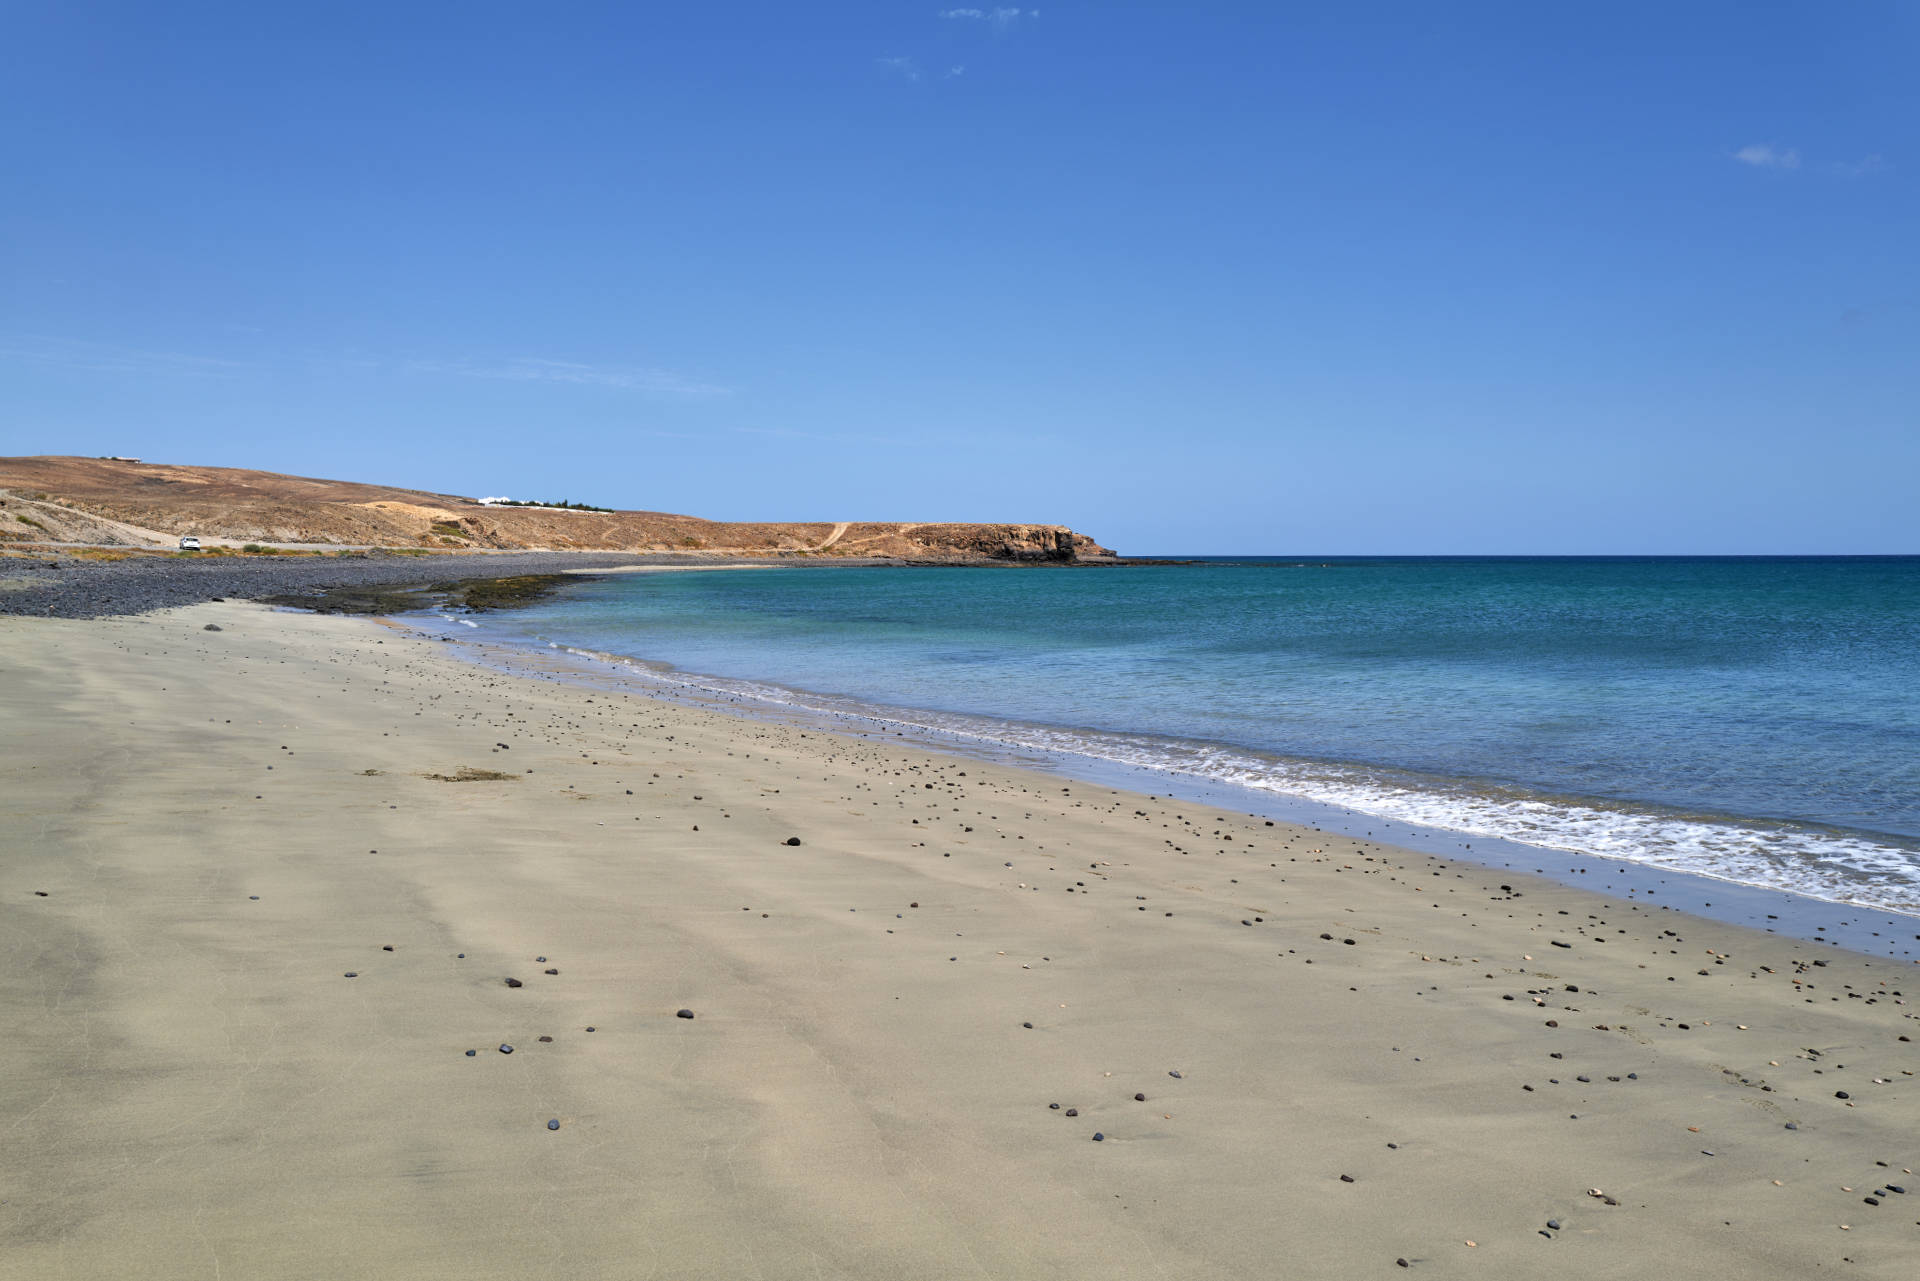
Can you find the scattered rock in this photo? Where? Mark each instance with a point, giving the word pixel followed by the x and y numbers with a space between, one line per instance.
pixel 683 1014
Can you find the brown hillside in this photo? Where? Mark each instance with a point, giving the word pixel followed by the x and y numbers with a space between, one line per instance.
pixel 127 503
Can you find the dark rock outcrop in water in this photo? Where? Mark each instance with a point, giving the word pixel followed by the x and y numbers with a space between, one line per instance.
pixel 60 587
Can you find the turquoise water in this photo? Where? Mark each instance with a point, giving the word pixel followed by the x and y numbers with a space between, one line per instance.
pixel 1752 719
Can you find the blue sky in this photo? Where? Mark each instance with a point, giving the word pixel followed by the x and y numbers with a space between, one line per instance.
pixel 1253 277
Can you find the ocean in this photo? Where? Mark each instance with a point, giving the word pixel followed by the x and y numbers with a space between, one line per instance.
pixel 1755 720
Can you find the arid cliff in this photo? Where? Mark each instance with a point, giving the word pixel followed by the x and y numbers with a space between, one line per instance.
pixel 123 503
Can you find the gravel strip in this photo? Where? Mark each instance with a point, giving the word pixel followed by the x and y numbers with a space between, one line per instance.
pixel 69 587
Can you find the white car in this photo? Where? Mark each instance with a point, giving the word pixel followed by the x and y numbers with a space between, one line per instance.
pixel 189 544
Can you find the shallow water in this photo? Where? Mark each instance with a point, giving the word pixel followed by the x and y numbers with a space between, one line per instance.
pixel 1752 719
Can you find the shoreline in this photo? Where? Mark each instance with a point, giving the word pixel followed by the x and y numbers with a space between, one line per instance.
pixel 1791 913
pixel 219 1066
pixel 57 585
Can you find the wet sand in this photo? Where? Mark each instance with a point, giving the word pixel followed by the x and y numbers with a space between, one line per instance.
pixel 1350 1055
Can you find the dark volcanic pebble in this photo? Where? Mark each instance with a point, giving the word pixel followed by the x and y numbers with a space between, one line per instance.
pixel 471 1053
pixel 513 982
pixel 213 627
pixel 683 1014
pixel 141 584
pixel 554 1124
pixel 1841 1094
pixel 353 974
pixel 793 840
pixel 1054 1106
pixel 553 971
pixel 1346 1178
pixel 1073 1111
pixel 506 1049
pixel 1099 1137
pixel 546 1039
pixel 1139 1098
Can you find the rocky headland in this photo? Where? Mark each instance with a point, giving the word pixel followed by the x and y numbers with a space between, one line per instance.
pixel 127 503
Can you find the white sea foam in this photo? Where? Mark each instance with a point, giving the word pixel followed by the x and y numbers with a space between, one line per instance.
pixel 1819 862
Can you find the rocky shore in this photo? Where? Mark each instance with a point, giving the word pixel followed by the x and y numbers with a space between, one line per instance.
pixel 72 587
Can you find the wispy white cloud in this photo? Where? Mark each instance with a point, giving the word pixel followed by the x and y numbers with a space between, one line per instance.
pixel 999 17
pixel 905 68
pixel 1763 155
pixel 1860 168
pixel 110 358
pixel 532 369
pixel 954 71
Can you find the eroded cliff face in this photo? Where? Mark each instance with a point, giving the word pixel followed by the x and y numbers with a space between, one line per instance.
pixel 1026 543
pixel 154 503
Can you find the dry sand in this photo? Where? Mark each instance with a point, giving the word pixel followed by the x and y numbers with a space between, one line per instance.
pixel 206 832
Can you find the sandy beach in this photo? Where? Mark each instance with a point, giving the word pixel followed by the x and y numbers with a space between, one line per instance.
pixel 280 891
